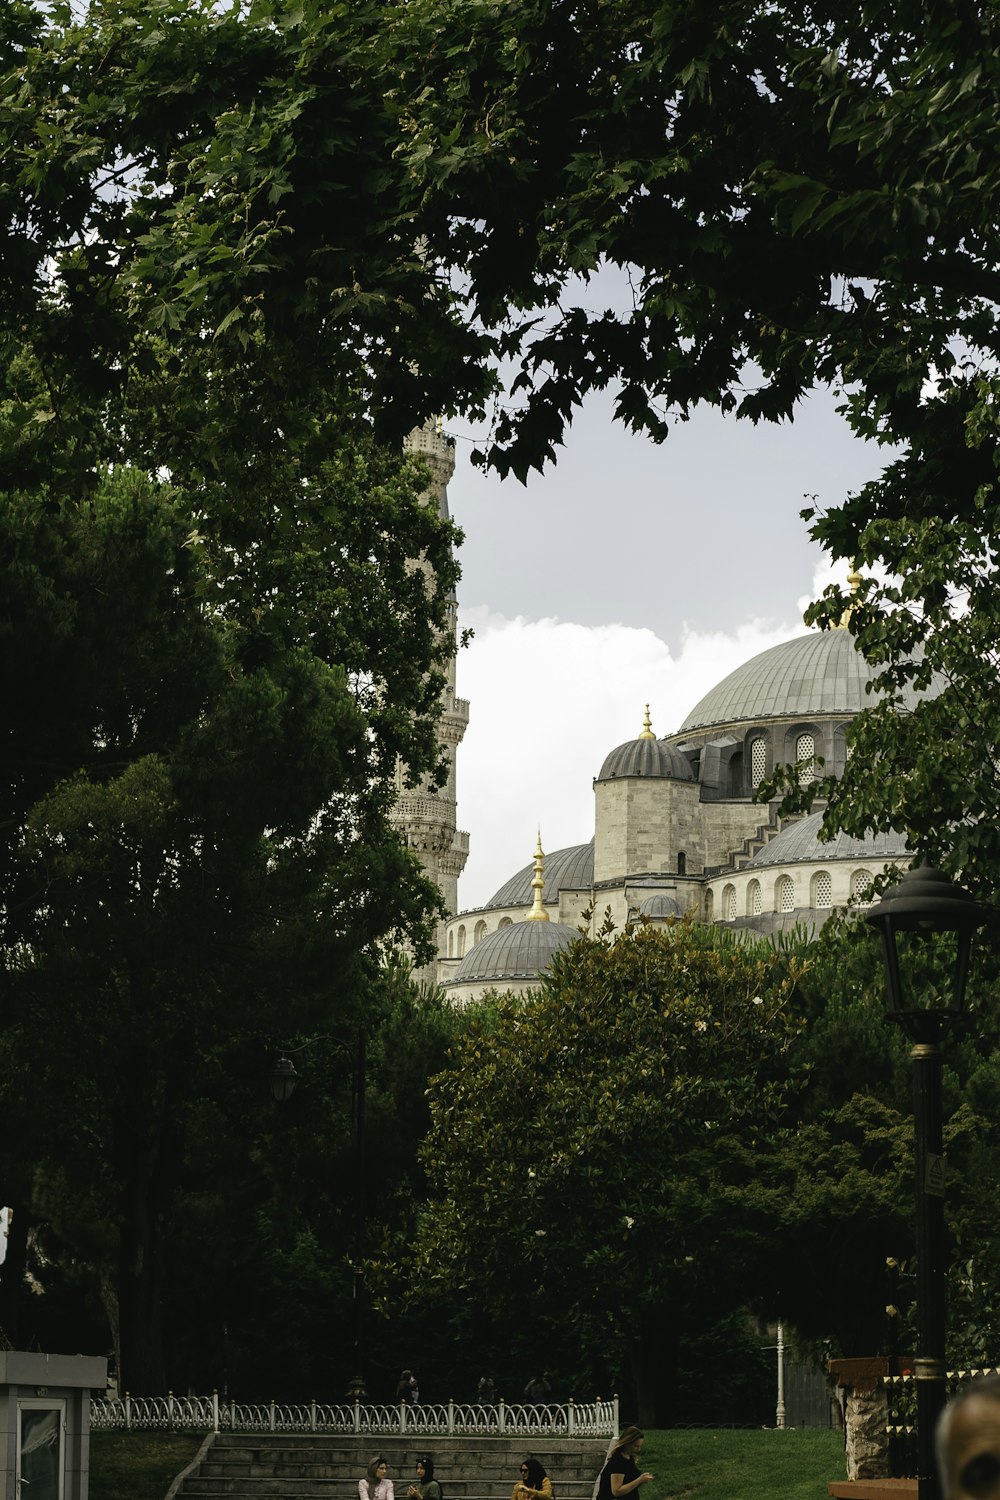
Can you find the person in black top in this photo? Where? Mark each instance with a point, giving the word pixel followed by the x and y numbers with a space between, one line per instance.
pixel 620 1475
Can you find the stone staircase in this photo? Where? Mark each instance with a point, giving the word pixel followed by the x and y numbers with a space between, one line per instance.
pixel 282 1466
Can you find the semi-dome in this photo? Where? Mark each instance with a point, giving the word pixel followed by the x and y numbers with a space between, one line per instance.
pixel 513 954
pixel 800 844
pixel 819 673
pixel 659 907
pixel 644 757
pixel 569 869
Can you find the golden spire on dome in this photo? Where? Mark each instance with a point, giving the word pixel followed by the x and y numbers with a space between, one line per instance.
pixel 538 912
pixel 854 579
pixel 647 728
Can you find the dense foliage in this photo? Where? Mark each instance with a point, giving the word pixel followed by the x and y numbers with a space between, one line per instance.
pixel 216 644
pixel 634 1099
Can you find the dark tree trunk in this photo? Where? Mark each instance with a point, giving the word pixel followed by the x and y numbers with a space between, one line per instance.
pixel 142 1370
pixel 653 1366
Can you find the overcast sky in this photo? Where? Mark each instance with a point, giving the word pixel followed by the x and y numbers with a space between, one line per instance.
pixel 629 573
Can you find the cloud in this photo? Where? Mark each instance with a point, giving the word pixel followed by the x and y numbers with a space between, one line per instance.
pixel 549 699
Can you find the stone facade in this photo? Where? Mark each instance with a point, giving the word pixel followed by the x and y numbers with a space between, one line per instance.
pixel 676 826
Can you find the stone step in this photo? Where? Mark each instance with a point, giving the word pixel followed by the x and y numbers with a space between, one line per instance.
pixel 241 1466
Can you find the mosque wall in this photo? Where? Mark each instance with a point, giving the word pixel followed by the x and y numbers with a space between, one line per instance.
pixel 728 825
pixel 643 824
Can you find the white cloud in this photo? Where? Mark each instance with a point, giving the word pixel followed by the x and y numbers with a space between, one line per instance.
pixel 549 699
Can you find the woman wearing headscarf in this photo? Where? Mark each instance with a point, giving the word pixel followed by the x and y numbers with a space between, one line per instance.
pixel 375 1485
pixel 426 1487
pixel 534 1483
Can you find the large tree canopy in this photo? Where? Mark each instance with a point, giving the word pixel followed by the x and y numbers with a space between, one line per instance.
pixel 800 195
pixel 657 1168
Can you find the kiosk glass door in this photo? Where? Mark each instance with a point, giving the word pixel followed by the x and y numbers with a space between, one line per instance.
pixel 40 1437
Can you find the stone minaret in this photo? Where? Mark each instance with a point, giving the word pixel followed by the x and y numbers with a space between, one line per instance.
pixel 426 818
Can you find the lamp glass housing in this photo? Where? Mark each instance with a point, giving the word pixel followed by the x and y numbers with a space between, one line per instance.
pixel 283 1079
pixel 910 917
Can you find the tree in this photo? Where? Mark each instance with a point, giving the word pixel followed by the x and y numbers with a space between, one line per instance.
pixel 802 195
pixel 631 1097
pixel 196 849
pixel 217 643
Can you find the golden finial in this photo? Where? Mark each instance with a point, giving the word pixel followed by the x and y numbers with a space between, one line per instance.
pixel 647 728
pixel 854 579
pixel 538 912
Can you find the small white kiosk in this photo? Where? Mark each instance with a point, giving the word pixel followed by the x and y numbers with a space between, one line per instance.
pixel 45 1423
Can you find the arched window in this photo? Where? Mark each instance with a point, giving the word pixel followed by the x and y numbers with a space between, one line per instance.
pixel 709 905
pixel 480 932
pixel 753 899
pixel 784 894
pixel 758 760
pixel 461 942
pixel 736 775
pixel 682 862
pixel 861 882
pixel 805 758
pixel 729 904
pixel 451 944
pixel 504 922
pixel 822 888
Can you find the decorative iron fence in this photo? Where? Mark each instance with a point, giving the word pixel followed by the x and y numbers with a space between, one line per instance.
pixel 901 1416
pixel 596 1419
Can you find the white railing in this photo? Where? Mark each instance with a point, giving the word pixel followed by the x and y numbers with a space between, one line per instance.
pixel 597 1419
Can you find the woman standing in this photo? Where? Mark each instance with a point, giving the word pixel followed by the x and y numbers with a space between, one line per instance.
pixel 375 1486
pixel 534 1483
pixel 620 1475
pixel 426 1487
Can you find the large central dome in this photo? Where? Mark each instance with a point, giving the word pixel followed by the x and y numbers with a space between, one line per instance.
pixel 819 673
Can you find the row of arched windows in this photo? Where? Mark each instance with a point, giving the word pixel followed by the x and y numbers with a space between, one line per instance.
pixel 457 936
pixel 820 895
pixel 805 760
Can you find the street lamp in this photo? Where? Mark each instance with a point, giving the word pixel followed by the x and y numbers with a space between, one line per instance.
pixel 283 1080
pixel 925 903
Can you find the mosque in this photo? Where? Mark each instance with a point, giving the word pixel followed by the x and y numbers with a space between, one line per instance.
pixel 676 828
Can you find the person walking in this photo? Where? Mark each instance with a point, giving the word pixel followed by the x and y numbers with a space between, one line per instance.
pixel 620 1474
pixel 375 1485
pixel 537 1392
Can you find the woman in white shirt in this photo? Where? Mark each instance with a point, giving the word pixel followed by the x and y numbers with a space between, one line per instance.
pixel 375 1486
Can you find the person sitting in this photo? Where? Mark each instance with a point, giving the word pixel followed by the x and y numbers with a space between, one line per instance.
pixel 375 1485
pixel 426 1487
pixel 534 1483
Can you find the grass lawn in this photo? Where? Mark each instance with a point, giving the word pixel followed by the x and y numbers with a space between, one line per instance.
pixel 138 1465
pixel 703 1465
pixel 796 1464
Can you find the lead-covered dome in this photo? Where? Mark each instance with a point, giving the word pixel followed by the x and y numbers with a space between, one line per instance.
pixel 516 953
pixel 569 869
pixel 819 673
pixel 800 844
pixel 644 757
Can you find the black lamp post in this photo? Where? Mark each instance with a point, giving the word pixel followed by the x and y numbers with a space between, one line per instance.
pixel 283 1081
pixel 926 902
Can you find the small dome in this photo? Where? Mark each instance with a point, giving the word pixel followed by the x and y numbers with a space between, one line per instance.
pixel 659 907
pixel 819 673
pixel 521 951
pixel 644 757
pixel 569 869
pixel 800 844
